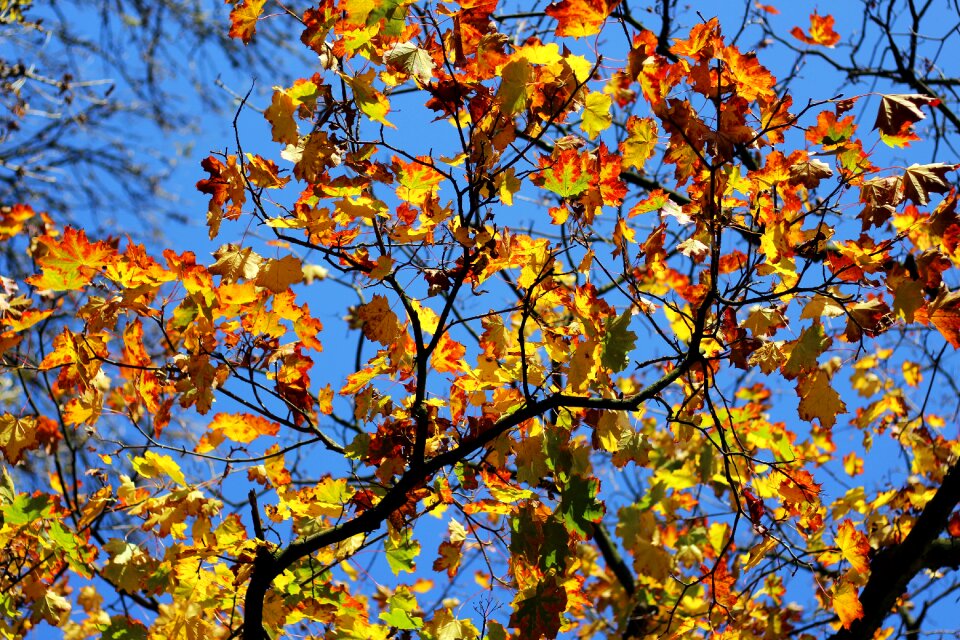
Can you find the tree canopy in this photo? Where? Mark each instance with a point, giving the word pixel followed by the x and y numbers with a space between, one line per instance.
pixel 529 320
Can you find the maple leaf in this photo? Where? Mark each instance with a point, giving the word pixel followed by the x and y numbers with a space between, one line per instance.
pixel 854 547
pixel 821 31
pixel 580 18
pixel 379 322
pixel 944 314
pixel 371 102
pixel 641 142
pixel 410 59
pixel 70 262
pixel 596 114
pixel 447 356
pixel 897 110
pixel 242 427
pixel 810 173
pixel 264 173
pixel 17 435
pixel 450 555
pixel 538 612
pixel 243 19
pixel 921 180
pixel 235 262
pixel 846 603
pixel 278 275
pixel 225 184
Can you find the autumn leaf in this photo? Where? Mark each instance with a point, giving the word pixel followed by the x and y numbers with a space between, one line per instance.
pixel 846 603
pixel 371 102
pixel 819 400
pixel 243 427
pixel 379 322
pixel 641 141
pixel 580 18
pixel 897 110
pixel 596 114
pixel 264 173
pixel 944 314
pixel 278 275
pixel 854 547
pixel 516 80
pixel 408 58
pixel 157 465
pixel 70 262
pixel 919 181
pixel 243 19
pixel 16 436
pixel 810 173
pixel 235 262
pixel 821 31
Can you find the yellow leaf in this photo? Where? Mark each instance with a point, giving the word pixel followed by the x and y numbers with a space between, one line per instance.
pixel 758 552
pixel 379 322
pixel 854 546
pixel 155 465
pixel 596 114
pixel 16 434
pixel 243 427
pixel 370 101
pixel 278 275
pixel 846 604
pixel 640 143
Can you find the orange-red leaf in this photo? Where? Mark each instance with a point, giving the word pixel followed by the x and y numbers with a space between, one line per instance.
pixel 579 18
pixel 821 31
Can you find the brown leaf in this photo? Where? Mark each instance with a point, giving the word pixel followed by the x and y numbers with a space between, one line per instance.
pixel 897 110
pixel 921 180
pixel 809 173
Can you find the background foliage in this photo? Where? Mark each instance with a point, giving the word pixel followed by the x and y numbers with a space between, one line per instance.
pixel 639 342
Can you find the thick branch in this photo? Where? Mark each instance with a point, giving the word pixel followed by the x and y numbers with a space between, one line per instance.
pixel 893 567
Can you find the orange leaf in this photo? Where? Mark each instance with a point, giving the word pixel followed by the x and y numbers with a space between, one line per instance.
pixel 579 18
pixel 446 357
pixel 243 19
pixel 854 546
pixel 944 314
pixel 821 31
pixel 846 604
pixel 243 427
pixel 70 262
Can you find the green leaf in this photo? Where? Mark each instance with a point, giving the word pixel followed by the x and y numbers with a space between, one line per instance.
pixel 618 342
pixel 124 628
pixel 515 83
pixel 812 342
pixel 402 605
pixel 26 509
pixel 579 507
pixel 402 551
